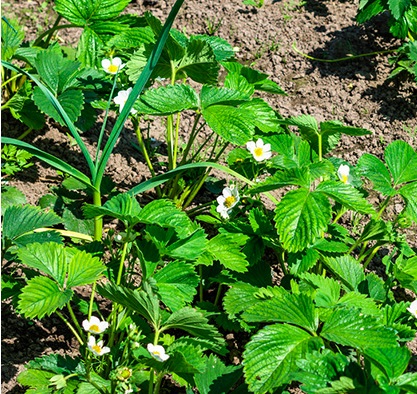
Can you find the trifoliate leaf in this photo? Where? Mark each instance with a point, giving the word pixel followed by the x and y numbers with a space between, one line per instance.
pixel 12 36
pixel 176 284
pixel 405 271
pixel 42 296
pixel 360 301
pixel 238 298
pixel 132 38
pixel 349 327
pixel 301 217
pixel 272 353
pixel 57 364
pixel 89 47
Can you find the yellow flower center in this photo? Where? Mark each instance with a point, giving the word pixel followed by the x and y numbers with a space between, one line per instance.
pixel 344 178
pixel 229 201
pixel 258 151
pixel 94 327
pixel 113 68
pixel 96 348
pixel 156 353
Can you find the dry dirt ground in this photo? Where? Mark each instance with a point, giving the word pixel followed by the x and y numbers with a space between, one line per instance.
pixel 356 92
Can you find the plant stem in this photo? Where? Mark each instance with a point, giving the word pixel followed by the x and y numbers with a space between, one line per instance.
pixel 7 82
pixel 98 220
pixel 200 272
pixel 219 292
pixel 193 134
pixel 51 30
pixel 73 330
pixel 24 134
pixel 122 260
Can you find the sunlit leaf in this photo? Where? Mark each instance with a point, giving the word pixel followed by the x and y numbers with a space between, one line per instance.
pixel 42 296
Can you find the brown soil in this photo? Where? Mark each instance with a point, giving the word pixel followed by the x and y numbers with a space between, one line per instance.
pixel 356 92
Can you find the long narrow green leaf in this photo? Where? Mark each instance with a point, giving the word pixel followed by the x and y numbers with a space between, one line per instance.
pixel 160 179
pixel 137 89
pixel 61 112
pixel 50 159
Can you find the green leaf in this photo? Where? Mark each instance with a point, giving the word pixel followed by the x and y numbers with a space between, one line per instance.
pixel 57 364
pixel 233 124
pixel 122 206
pixel 72 101
pixel 347 269
pixel 40 380
pixel 239 298
pixel 360 301
pixel 238 82
pixel 392 361
pixel 184 359
pixel 326 290
pixel 264 117
pixel 398 8
pixel 405 271
pixel 221 48
pixel 84 12
pixel 49 258
pixel 188 248
pixel 164 213
pixel 409 192
pixel 176 284
pixel 19 220
pixel 167 100
pixel 272 353
pixel 83 269
pixel 193 322
pixel 89 48
pixel 41 296
pixel 12 36
pixel 349 327
pixel 199 62
pixel 216 376
pixel 132 38
pixel 296 309
pixel 346 195
pixel 211 95
pixel 301 217
pixel 374 169
pixel 402 162
pixel 224 248
pixel 145 303
pixel 317 369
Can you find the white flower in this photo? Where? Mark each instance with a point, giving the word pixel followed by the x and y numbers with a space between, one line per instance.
pixel 112 66
pixel 121 99
pixel 344 174
pixel 259 150
pixel 97 348
pixel 228 199
pixel 413 308
pixel 157 352
pixel 95 325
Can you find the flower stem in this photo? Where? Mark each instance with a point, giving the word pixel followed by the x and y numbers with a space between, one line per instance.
pixel 70 326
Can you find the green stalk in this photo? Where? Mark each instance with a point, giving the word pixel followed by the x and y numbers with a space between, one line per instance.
pixel 69 325
pixel 24 134
pixel 177 126
pixel 122 261
pixel 51 31
pixel 200 272
pixel 218 294
pixel 98 220
pixel 17 75
pixel 193 134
